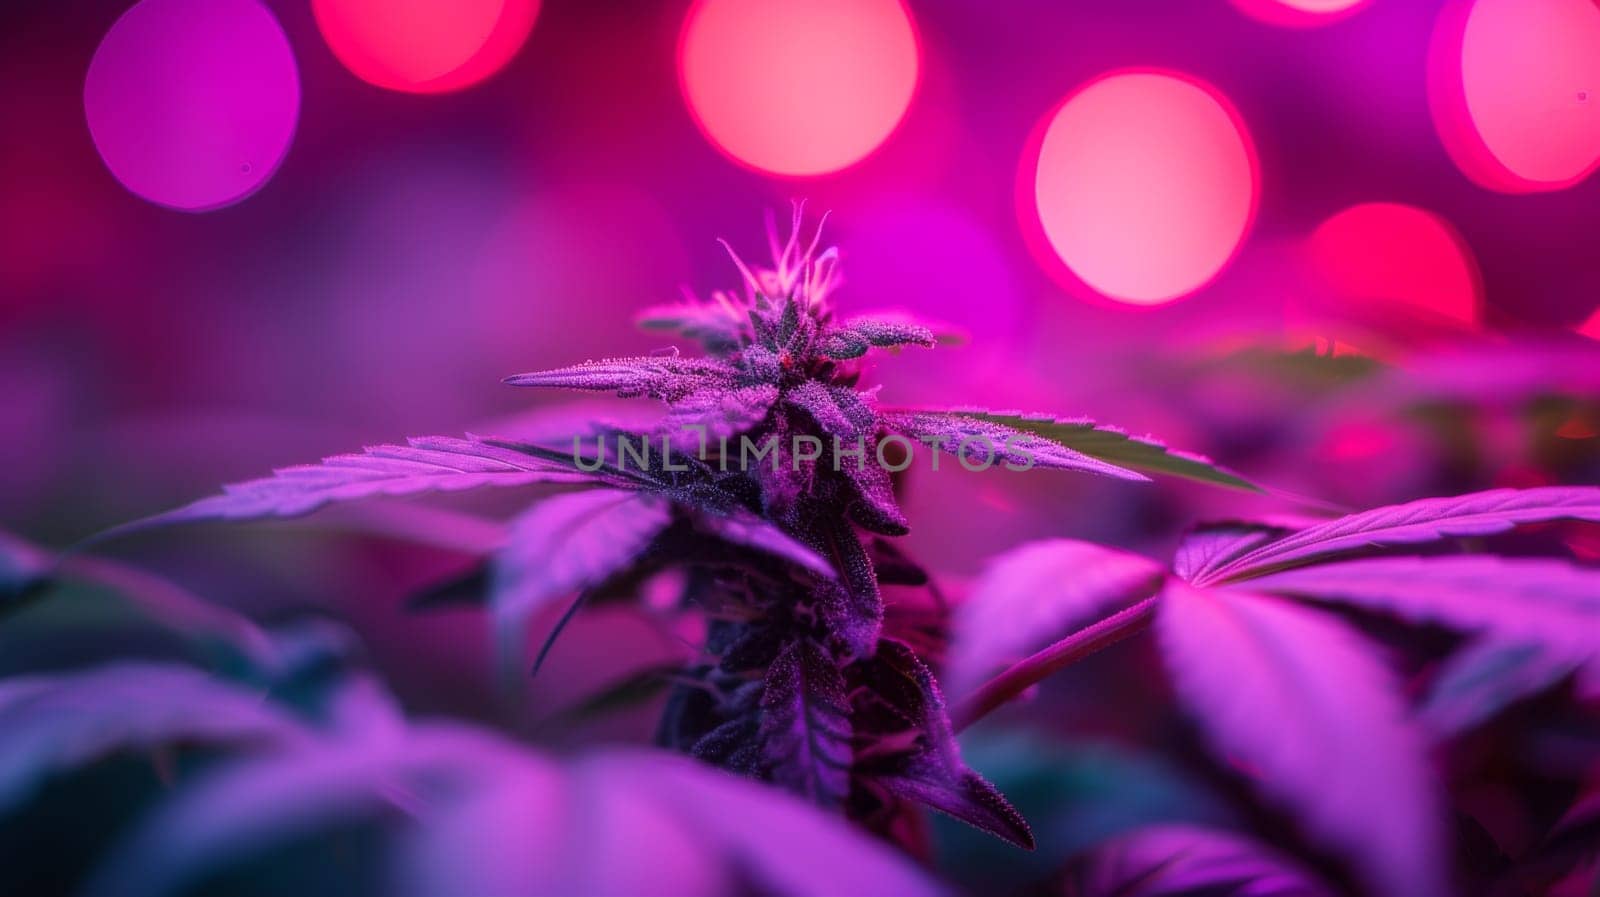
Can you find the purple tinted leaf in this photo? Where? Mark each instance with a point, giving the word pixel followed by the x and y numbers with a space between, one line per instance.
pixel 1311 716
pixel 417 524
pixel 430 464
pixel 1037 594
pixel 667 377
pixel 849 418
pixel 1427 520
pixel 173 606
pixel 852 606
pixel 740 527
pixel 984 440
pixel 1550 603
pixel 52 724
pixel 909 750
pixel 1206 548
pixel 701 420
pixel 1479 681
pixel 875 506
pixel 837 411
pixel 572 542
pixel 1116 448
pixel 1031 670
pixel 630 822
pixel 1184 861
pixel 805 724
pixel 246 809
pixel 854 337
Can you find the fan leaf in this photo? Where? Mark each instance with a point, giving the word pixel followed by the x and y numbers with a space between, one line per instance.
pixel 430 464
pixel 572 542
pixel 56 723
pixel 1478 682
pixel 1037 594
pixel 1207 548
pixel 1118 448
pixel 1427 520
pixel 1550 603
pixel 984 441
pixel 1314 720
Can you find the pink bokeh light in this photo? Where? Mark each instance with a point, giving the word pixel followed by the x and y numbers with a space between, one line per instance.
pixel 1383 258
pixel 193 103
pixel 1143 183
pixel 1591 327
pixel 425 46
pixel 1514 88
pixel 798 89
pixel 1300 13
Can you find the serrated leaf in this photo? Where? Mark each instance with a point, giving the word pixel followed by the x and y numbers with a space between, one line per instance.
pixel 1184 861
pixel 908 748
pixel 992 441
pixel 1548 603
pixel 805 724
pixel 431 464
pixel 1481 680
pixel 1037 594
pixel 572 542
pixel 1115 447
pixel 1518 598
pixel 1314 720
pixel 1427 520
pixel 55 723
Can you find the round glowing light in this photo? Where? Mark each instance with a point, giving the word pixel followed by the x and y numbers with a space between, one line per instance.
pixel 193 103
pixel 1514 88
pixel 798 88
pixel 1591 327
pixel 1386 256
pixel 425 46
pixel 1145 185
pixel 1299 13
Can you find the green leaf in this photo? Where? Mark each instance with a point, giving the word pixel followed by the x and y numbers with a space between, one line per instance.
pixel 1118 447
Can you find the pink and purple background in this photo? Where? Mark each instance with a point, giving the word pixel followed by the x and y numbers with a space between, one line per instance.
pixel 242 234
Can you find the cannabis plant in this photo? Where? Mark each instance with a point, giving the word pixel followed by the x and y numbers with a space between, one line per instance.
pixel 1305 705
pixel 770 483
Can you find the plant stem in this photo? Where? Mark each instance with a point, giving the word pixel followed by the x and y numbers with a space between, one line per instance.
pixel 1075 647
